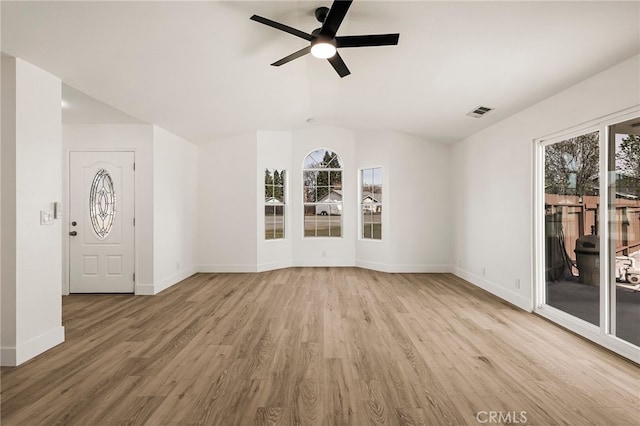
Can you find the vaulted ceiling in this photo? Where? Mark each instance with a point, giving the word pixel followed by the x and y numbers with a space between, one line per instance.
pixel 201 69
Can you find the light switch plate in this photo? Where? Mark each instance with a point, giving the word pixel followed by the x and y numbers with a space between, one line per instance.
pixel 46 217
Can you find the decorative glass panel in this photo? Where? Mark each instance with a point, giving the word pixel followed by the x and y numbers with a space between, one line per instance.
pixel 102 204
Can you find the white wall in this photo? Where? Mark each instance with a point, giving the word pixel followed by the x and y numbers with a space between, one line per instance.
pixel 417 210
pixel 120 137
pixel 274 152
pixel 32 182
pixel 8 216
pixel 175 207
pixel 416 203
pixel 493 181
pixel 227 194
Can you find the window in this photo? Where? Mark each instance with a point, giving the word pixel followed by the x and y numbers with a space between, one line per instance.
pixel 371 203
pixel 274 202
pixel 322 186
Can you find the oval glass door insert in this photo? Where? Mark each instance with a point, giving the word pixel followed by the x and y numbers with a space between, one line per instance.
pixel 102 204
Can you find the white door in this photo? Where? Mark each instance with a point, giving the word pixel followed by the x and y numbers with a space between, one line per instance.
pixel 101 222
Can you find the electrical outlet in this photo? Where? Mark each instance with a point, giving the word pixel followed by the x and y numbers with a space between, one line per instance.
pixel 484 272
pixel 517 283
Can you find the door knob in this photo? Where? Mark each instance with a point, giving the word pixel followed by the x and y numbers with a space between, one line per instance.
pixel 73 233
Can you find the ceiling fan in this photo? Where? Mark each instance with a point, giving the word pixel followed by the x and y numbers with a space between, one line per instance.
pixel 323 40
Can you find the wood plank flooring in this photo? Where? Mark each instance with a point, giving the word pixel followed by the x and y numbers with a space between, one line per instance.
pixel 325 346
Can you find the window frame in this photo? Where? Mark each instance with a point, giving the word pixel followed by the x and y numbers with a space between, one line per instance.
pixel 275 204
pixel 312 174
pixel 378 205
pixel 599 334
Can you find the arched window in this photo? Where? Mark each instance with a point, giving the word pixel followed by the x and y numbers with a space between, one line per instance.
pixel 322 180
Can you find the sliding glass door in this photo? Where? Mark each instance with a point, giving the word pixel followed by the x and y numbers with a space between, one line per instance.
pixel 588 231
pixel 571 217
pixel 624 229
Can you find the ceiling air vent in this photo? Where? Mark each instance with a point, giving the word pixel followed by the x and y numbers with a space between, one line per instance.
pixel 479 112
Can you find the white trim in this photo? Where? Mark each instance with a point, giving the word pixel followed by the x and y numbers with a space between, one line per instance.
pixel 576 130
pixel 495 289
pixel 323 262
pixel 374 266
pixel 144 289
pixel 364 264
pixel 423 268
pixel 14 356
pixel 603 230
pixel 590 332
pixel 272 266
pixel 227 268
pixel 172 280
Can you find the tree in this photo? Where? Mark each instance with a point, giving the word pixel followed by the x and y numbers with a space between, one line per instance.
pixel 628 163
pixel 268 184
pixel 327 180
pixel 571 166
pixel 278 185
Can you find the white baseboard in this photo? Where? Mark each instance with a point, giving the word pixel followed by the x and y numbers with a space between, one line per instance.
pixel 495 289
pixel 382 267
pixel 144 289
pixel 322 262
pixel 14 356
pixel 227 268
pixel 172 280
pixel 400 268
pixel 272 266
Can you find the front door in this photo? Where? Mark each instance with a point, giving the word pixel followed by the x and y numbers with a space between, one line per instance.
pixel 101 222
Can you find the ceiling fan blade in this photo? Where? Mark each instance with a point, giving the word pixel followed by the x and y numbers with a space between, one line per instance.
pixel 338 64
pixel 334 18
pixel 368 40
pixel 293 56
pixel 282 27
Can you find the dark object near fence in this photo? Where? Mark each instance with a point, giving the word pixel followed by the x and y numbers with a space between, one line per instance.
pixel 588 259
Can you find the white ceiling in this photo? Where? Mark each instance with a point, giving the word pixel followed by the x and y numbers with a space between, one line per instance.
pixel 201 69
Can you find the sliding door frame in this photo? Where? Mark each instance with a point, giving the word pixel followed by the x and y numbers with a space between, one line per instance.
pixel 599 334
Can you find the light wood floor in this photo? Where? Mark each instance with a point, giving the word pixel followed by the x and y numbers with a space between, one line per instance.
pixel 328 346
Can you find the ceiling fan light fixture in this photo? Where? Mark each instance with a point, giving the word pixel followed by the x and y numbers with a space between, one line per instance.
pixel 323 49
pixel 323 42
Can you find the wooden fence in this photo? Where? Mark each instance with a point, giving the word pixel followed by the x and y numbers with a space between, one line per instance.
pixel 569 217
pixel 580 216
